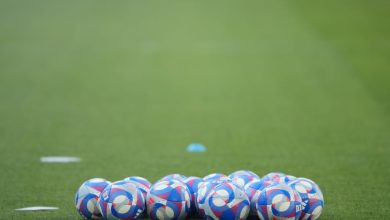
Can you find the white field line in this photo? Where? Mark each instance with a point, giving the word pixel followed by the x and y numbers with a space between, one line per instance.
pixel 60 159
pixel 37 208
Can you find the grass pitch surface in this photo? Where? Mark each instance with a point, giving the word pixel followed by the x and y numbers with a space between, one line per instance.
pixel 298 87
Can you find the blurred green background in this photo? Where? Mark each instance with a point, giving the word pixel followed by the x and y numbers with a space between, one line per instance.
pixel 300 87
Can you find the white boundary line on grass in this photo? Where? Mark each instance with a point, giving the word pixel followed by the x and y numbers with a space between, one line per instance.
pixel 37 208
pixel 60 159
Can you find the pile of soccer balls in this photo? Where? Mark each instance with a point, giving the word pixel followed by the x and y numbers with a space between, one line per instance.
pixel 240 195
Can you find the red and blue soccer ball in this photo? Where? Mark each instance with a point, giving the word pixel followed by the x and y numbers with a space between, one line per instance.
pixel 203 191
pixel 279 177
pixel 253 190
pixel 243 177
pixel 174 176
pixel 168 199
pixel 193 183
pixel 142 184
pixel 216 176
pixel 87 197
pixel 121 200
pixel 227 201
pixel 279 202
pixel 312 198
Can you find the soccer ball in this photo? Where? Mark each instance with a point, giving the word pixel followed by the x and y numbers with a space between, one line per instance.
pixel 242 177
pixel 174 176
pixel 279 202
pixel 279 177
pixel 227 201
pixel 142 184
pixel 253 190
pixel 193 185
pixel 312 198
pixel 121 200
pixel 168 200
pixel 216 176
pixel 204 189
pixel 87 196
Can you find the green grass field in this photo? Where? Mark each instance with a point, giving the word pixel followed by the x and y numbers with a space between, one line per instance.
pixel 300 87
